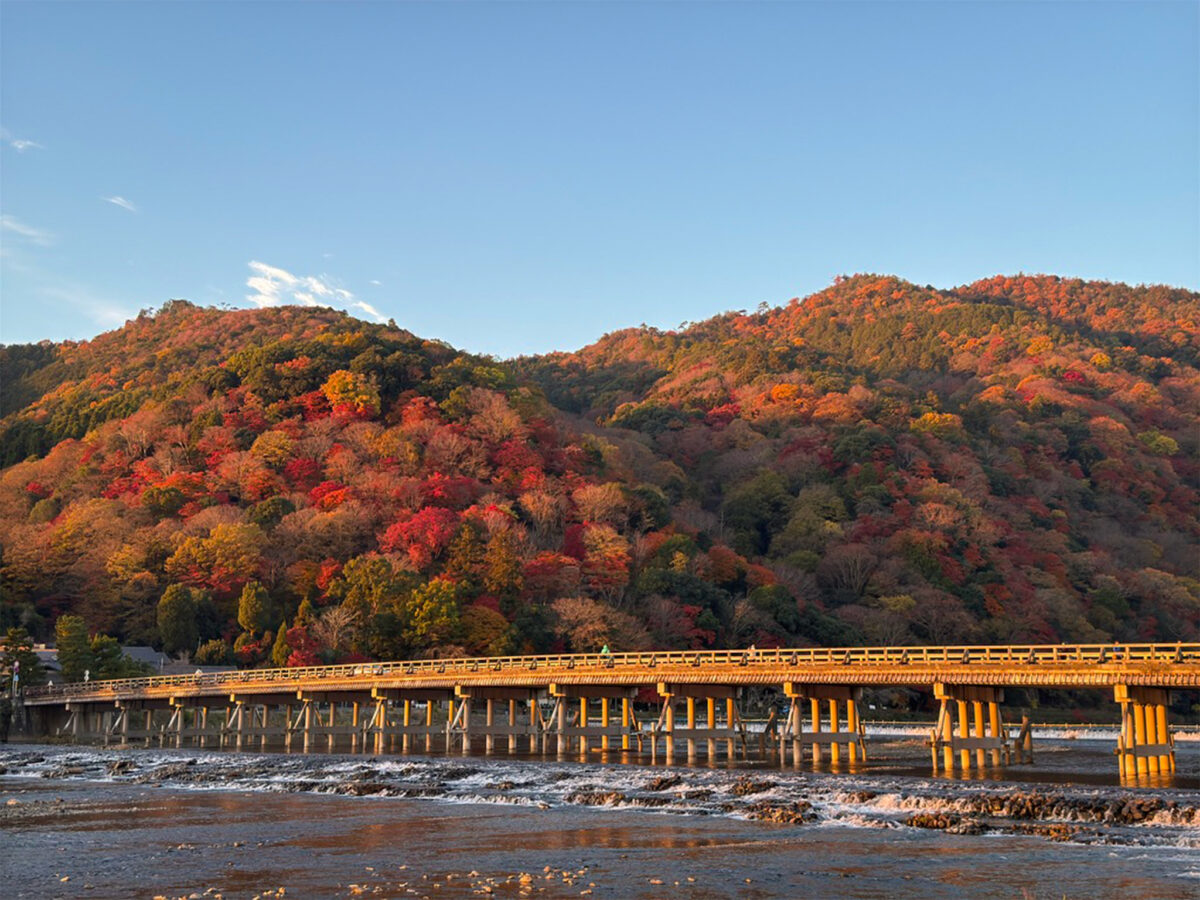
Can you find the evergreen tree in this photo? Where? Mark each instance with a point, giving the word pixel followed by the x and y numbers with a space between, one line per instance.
pixel 177 619
pixel 281 651
pixel 18 649
pixel 254 608
pixel 74 648
pixel 110 661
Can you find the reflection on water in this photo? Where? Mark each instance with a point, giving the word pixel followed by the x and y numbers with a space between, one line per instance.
pixel 188 820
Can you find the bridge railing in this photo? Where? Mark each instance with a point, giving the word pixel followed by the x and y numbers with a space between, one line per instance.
pixel 981 655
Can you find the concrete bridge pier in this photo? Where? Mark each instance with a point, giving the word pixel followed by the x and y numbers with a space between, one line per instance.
pixel 841 702
pixel 1145 745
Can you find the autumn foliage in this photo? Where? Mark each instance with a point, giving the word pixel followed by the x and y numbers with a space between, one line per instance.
pixel 1013 460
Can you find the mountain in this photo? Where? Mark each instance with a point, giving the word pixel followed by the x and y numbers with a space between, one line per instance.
pixel 1012 460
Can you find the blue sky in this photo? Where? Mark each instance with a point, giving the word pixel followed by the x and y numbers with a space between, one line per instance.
pixel 517 178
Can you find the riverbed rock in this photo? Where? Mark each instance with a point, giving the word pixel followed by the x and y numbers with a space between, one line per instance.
pixel 595 798
pixel 796 813
pixel 747 785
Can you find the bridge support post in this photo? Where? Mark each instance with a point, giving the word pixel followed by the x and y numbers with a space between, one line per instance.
pixel 732 721
pixel 836 697
pixel 512 726
pixel 710 722
pixel 1145 746
pixel 604 721
pixel 406 720
pixel 687 731
pixel 428 726
pixel 990 738
pixel 626 722
pixel 537 733
pixel 583 726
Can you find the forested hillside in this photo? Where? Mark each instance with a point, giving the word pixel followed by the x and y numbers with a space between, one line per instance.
pixel 1014 460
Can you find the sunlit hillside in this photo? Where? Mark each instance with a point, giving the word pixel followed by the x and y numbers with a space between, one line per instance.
pixel 1013 460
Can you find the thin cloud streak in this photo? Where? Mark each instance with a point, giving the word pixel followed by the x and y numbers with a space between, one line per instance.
pixel 19 144
pixel 370 311
pixel 35 235
pixel 77 296
pixel 273 286
pixel 118 200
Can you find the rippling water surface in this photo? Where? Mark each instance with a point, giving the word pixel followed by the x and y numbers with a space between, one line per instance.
pixel 117 823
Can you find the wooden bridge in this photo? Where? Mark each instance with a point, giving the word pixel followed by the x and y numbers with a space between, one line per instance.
pixel 586 701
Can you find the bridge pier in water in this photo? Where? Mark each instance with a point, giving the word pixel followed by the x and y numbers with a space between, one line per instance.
pixel 715 697
pixel 970 729
pixel 842 704
pixel 570 721
pixel 1145 746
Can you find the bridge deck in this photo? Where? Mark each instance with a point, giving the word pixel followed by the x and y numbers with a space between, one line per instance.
pixel 1049 666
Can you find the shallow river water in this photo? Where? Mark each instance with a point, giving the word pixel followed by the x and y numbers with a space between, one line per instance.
pixel 93 822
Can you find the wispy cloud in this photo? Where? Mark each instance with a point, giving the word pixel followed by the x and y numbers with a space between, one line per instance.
pixel 37 236
pixel 375 282
pixel 19 144
pixel 370 311
pixel 273 286
pixel 118 200
pixel 79 298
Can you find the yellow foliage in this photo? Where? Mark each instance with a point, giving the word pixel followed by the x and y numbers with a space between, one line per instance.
pixel 782 393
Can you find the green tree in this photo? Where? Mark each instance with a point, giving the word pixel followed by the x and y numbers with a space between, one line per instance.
pixel 110 661
pixel 177 624
pixel 431 614
pixel 74 647
pixel 366 586
pixel 281 651
pixel 254 608
pixel 755 510
pixel 502 567
pixel 212 653
pixel 18 649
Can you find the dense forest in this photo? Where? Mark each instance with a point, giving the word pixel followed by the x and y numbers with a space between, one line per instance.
pixel 1012 460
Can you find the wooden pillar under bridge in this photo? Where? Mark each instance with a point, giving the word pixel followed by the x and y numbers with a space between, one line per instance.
pixel 1145 746
pixel 537 731
pixel 413 725
pixel 247 720
pixel 731 723
pixel 710 722
pixel 836 698
pixel 815 707
pixel 962 727
pixel 135 720
pixel 583 728
pixel 429 726
pixel 492 729
pixel 512 725
pixel 626 722
pixel 584 723
pixel 683 731
pixel 604 723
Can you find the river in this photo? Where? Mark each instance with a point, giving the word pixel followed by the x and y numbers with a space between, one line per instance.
pixel 99 823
